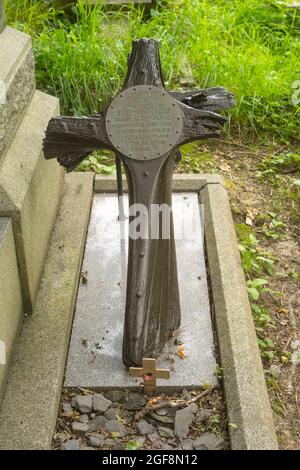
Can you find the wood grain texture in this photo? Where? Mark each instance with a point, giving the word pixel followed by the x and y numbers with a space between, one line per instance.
pixel 210 99
pixel 144 67
pixel 199 124
pixel 152 301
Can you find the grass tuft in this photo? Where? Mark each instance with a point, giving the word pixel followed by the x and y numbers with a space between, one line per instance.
pixel 252 47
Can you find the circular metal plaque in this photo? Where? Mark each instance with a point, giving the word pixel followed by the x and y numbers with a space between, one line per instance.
pixel 144 122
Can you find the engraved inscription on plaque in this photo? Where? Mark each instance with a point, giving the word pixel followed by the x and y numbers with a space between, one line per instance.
pixel 144 122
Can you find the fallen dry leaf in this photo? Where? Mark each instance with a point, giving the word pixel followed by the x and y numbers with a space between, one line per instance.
pixel 250 216
pixel 152 401
pixel 283 310
pixel 225 167
pixel 181 351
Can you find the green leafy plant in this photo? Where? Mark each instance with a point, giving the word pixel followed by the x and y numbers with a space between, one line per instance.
pixel 214 424
pixel 99 163
pixel 257 262
pixel 219 371
pixel 267 348
pixel 132 445
pixel 283 163
pixel 261 316
pixel 254 287
pixel 274 227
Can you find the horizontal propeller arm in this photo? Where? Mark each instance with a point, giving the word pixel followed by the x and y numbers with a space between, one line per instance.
pixel 210 99
pixel 199 124
pixel 72 139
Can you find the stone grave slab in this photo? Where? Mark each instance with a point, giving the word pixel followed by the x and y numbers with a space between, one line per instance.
pixel 30 191
pixel 95 355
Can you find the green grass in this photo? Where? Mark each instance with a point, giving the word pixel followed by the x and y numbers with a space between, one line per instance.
pixel 252 47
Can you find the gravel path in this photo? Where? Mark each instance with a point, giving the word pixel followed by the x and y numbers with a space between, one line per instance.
pixel 123 420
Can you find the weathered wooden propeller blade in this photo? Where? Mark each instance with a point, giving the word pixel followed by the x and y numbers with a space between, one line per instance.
pixel 72 139
pixel 145 126
pixel 210 99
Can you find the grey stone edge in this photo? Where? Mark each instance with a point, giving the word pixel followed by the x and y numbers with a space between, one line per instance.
pixel 11 306
pixel 30 404
pixel 247 400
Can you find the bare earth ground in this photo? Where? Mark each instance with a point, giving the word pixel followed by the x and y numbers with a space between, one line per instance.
pixel 252 199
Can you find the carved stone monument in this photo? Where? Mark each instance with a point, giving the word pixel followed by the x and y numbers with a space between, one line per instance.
pixel 145 126
pixel 27 208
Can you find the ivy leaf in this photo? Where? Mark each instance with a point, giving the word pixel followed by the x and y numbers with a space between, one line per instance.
pixel 253 292
pixel 259 282
pixel 131 445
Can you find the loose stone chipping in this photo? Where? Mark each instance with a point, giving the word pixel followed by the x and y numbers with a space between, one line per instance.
pixel 187 444
pixel 95 440
pixel 152 424
pixel 79 428
pixel 72 444
pixel 115 396
pixel 135 402
pixel 84 403
pixel 84 419
pixel 184 419
pixel 115 427
pixel 97 423
pixel 165 432
pixel 113 413
pixel 208 441
pixel 144 428
pixel 100 403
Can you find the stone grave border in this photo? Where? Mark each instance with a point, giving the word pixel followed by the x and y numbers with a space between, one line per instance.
pixel 30 406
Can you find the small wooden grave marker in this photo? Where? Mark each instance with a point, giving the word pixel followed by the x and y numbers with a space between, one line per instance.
pixel 150 373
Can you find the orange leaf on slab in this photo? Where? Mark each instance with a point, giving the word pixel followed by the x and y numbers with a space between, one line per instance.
pixel 181 352
pixel 152 401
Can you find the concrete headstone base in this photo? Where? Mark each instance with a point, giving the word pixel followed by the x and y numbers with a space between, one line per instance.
pixel 30 191
pixel 11 308
pixel 29 409
pixel 30 187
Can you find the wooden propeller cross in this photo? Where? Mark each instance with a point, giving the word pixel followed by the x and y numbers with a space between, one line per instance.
pixel 144 125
